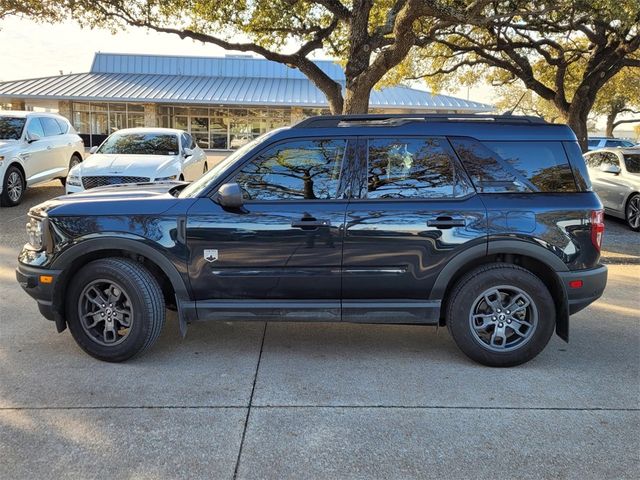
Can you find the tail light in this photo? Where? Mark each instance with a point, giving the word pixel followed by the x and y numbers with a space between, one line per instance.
pixel 597 228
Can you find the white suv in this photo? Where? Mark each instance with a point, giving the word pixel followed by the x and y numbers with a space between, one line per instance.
pixel 34 147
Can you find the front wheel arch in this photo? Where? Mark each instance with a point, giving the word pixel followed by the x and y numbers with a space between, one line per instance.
pixel 72 260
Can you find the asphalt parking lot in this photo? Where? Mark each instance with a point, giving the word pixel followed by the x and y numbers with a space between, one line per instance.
pixel 284 400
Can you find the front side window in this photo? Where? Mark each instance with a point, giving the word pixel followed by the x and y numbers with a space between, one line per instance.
pixel 409 168
pixel 11 128
pixel 295 170
pixel 613 143
pixel 632 162
pixel 140 144
pixel 35 127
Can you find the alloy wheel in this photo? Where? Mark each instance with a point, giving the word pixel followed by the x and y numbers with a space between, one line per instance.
pixel 503 318
pixel 105 312
pixel 633 212
pixel 14 186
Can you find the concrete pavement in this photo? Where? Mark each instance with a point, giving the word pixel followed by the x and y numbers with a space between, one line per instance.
pixel 285 400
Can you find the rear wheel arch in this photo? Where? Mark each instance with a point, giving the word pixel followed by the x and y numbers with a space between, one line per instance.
pixel 535 259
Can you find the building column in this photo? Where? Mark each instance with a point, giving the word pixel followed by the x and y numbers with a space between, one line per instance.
pixel 296 115
pixel 64 109
pixel 150 115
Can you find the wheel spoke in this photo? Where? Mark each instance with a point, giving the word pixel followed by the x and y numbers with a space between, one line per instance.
pixel 519 302
pixel 486 319
pixel 499 337
pixel 494 305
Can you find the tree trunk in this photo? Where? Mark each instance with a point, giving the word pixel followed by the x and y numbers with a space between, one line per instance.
pixel 577 116
pixel 611 118
pixel 356 99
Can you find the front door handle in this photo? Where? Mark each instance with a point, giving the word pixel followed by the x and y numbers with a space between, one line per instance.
pixel 445 222
pixel 310 223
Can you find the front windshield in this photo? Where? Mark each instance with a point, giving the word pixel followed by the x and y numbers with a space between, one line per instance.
pixel 140 144
pixel 194 188
pixel 632 162
pixel 11 128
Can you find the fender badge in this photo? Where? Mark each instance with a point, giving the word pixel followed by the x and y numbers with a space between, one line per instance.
pixel 210 254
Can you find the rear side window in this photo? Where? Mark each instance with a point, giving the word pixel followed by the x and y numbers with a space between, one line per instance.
pixel 50 126
pixel 501 167
pixel 410 168
pixel 64 126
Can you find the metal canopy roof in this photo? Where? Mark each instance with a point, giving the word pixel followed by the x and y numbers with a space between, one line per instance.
pixel 232 80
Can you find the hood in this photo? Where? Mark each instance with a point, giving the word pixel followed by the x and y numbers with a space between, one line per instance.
pixel 126 165
pixel 127 199
pixel 7 143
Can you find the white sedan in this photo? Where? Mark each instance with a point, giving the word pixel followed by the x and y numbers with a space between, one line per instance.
pixel 138 155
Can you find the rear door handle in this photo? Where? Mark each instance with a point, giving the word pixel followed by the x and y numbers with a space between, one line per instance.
pixel 310 223
pixel 445 222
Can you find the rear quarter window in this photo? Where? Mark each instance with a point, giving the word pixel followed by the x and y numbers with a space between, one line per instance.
pixel 515 166
pixel 544 164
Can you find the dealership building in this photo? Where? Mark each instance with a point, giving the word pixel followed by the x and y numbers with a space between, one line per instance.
pixel 222 101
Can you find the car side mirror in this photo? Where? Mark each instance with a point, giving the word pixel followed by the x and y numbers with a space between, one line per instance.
pixel 187 152
pixel 230 196
pixel 93 150
pixel 32 137
pixel 609 168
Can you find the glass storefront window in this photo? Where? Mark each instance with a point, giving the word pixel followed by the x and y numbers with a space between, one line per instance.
pixel 135 120
pixel 223 128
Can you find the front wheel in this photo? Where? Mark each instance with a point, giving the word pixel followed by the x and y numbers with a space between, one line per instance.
pixel 115 309
pixel 75 160
pixel 501 315
pixel 632 213
pixel 13 187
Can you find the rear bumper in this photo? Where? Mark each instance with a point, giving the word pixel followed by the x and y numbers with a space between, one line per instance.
pixel 594 282
pixel 29 279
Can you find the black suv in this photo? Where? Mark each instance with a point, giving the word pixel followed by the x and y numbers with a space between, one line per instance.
pixel 485 224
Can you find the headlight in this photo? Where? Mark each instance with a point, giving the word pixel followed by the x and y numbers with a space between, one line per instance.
pixel 74 180
pixel 166 179
pixel 35 233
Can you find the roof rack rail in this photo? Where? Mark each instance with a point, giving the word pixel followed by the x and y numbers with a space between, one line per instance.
pixel 330 121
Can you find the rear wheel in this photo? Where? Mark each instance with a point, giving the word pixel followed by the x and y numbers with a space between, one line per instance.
pixel 13 187
pixel 632 213
pixel 75 160
pixel 115 309
pixel 501 315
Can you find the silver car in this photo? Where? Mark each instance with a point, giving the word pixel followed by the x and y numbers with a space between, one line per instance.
pixel 615 174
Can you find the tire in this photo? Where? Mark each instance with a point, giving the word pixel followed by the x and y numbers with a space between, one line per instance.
pixel 485 329
pixel 13 187
pixel 140 295
pixel 632 212
pixel 75 160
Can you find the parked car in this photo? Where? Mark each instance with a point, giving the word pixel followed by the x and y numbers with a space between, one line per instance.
pixel 485 224
pixel 615 173
pixel 138 155
pixel 596 143
pixel 34 148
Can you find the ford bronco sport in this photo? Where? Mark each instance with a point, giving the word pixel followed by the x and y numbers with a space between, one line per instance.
pixel 485 224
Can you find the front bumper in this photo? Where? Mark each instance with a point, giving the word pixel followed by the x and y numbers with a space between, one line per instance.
pixel 593 281
pixel 29 279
